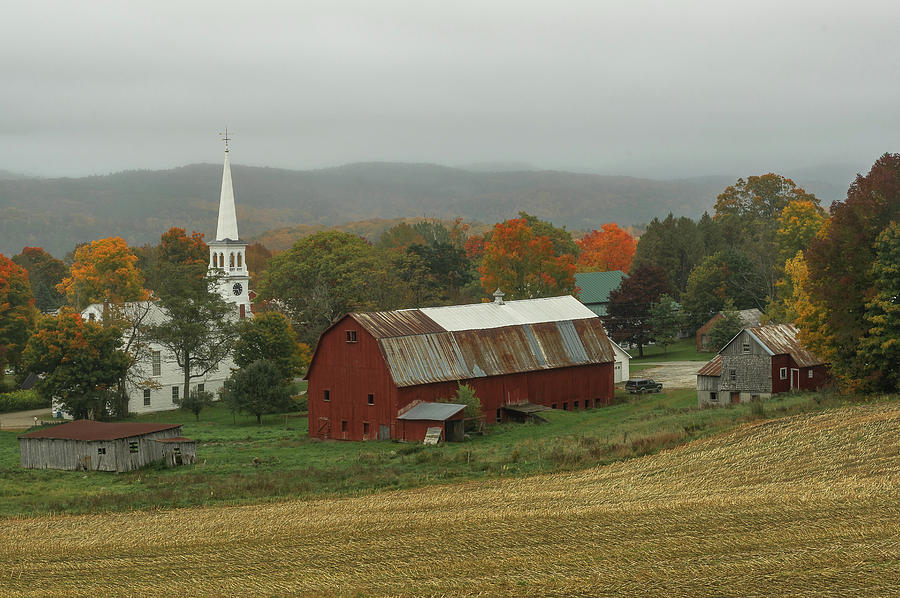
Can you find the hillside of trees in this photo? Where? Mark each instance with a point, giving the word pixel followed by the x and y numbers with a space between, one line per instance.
pixel 140 205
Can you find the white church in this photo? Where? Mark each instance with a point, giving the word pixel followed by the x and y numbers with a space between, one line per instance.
pixel 163 380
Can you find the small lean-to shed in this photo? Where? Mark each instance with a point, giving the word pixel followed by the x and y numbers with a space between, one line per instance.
pixel 97 446
pixel 415 420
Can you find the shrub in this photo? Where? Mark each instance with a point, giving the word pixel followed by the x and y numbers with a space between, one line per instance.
pixel 21 400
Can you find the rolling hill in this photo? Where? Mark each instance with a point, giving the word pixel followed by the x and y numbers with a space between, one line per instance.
pixel 140 205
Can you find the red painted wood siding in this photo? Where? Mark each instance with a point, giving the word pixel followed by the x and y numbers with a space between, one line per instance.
pixel 820 375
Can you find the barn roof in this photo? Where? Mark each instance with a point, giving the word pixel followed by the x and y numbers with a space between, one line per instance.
pixel 432 411
pixel 85 429
pixel 713 367
pixel 781 339
pixel 444 344
pixel 596 286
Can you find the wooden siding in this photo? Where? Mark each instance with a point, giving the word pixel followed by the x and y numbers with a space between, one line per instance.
pixel 99 455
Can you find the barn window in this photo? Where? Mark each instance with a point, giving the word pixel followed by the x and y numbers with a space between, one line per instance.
pixel 326 395
pixel 782 373
pixel 101 450
pixel 174 394
pixel 733 375
pixel 344 426
pixel 176 450
pixel 351 336
pixel 365 430
pixel 371 399
pixel 499 415
pixel 575 406
pixel 146 397
pixel 565 406
pixel 713 396
pixel 133 446
pixel 553 406
pixel 810 374
pixel 745 348
pixel 156 363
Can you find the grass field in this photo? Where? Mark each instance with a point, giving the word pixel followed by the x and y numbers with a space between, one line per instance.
pixel 798 506
pixel 292 465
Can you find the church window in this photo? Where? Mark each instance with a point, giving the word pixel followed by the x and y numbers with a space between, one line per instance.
pixel 156 363
pixel 221 260
pixel 239 260
pixel 231 260
pixel 215 260
pixel 174 394
pixel 146 397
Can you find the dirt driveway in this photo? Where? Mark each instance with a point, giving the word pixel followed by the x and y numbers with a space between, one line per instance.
pixel 21 420
pixel 672 374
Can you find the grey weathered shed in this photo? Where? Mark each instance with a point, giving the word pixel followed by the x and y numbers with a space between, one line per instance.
pixel 90 445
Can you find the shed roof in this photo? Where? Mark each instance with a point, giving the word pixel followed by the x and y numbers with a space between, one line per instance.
pixel 85 429
pixel 432 411
pixel 713 367
pixel 596 286
pixel 781 339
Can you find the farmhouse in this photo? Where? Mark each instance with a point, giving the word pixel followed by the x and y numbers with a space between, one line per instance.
pixel 757 363
pixel 90 445
pixel 748 318
pixel 369 368
pixel 594 288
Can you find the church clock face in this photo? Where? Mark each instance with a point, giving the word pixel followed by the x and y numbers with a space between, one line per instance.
pixel 237 288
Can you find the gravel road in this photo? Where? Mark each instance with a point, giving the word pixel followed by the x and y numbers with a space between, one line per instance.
pixel 672 374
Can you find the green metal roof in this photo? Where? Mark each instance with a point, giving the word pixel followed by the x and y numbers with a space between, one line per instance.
pixel 596 286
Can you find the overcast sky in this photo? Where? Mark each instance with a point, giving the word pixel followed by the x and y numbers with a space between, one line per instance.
pixel 657 89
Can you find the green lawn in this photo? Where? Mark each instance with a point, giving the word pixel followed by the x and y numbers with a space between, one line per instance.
pixel 241 461
pixel 684 349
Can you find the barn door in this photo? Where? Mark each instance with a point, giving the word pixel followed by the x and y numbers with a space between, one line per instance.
pixel 735 397
pixel 324 428
pixel 384 432
pixel 795 379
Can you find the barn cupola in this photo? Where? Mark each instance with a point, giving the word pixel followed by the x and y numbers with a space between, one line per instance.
pixel 498 297
pixel 228 253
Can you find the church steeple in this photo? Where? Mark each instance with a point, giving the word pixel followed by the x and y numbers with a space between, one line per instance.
pixel 227 228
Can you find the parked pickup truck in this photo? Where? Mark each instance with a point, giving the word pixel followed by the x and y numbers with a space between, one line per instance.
pixel 641 385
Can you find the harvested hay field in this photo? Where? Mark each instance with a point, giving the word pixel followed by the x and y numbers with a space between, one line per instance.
pixel 807 505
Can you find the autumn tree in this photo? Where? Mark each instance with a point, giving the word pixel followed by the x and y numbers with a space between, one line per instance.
pixel 525 264
pixel 609 248
pixel 44 273
pixel 257 389
pixel 879 348
pixel 560 238
pixel 80 362
pixel 17 313
pixel 270 336
pixel 797 226
pixel 104 270
pixel 258 256
pixel 629 317
pixel 399 236
pixel 839 260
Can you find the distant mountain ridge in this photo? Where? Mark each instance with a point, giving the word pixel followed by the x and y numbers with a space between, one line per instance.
pixel 139 205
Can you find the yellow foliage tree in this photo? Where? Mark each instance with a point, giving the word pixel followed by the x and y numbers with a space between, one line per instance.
pixel 104 270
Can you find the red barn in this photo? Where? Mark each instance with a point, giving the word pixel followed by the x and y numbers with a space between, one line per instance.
pixel 368 368
pixel 757 363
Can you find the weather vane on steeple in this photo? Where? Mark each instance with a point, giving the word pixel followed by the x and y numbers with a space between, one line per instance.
pixel 226 138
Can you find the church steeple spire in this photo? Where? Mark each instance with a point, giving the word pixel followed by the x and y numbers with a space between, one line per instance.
pixel 227 228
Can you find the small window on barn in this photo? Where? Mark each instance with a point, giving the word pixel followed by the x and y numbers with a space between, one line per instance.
pixel 351 336
pixel 133 446
pixel 176 450
pixel 371 399
pixel 754 397
pixel 553 406
pixel 782 373
pixel 156 363
pixel 745 347
pixel 146 397
pixel 174 394
pixel 101 450
pixel 575 407
pixel 326 395
pixel 565 406
pixel 713 396
pixel 733 375
pixel 810 374
pixel 499 415
pixel 365 430
pixel 343 425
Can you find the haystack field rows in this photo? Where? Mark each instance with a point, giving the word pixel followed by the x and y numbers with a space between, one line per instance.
pixel 806 505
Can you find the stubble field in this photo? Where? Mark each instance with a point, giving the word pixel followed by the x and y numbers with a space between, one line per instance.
pixel 805 505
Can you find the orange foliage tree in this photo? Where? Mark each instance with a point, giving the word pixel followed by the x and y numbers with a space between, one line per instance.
pixel 104 270
pixel 17 312
pixel 609 248
pixel 176 247
pixel 523 265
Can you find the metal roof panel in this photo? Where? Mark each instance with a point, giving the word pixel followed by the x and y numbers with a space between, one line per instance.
pixel 432 411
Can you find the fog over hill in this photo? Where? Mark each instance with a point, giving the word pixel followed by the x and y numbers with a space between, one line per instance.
pixel 140 205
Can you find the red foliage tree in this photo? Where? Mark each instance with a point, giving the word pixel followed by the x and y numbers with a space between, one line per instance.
pixel 609 248
pixel 17 312
pixel 629 317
